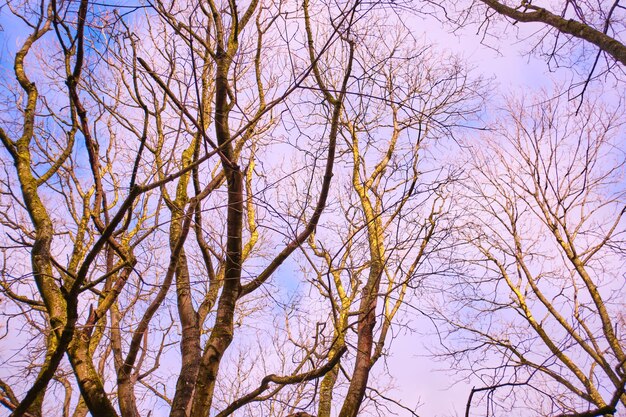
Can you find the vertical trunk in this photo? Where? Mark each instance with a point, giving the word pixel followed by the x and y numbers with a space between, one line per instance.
pixel 80 351
pixel 126 396
pixel 89 382
pixel 40 253
pixel 222 333
pixel 42 269
pixel 369 293
pixel 190 342
pixel 125 393
pixel 326 389
pixel 365 341
pixel 330 379
pixel 81 409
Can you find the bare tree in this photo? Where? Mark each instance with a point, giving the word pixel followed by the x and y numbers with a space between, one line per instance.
pixel 584 35
pixel 390 206
pixel 63 205
pixel 141 100
pixel 535 312
pixel 155 214
pixel 597 24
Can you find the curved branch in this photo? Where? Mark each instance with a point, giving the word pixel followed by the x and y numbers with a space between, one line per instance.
pixel 572 27
pixel 283 380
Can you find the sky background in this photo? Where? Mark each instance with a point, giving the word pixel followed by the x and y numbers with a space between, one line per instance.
pixel 418 378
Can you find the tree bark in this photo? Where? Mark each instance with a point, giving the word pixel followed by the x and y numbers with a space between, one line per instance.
pixel 572 27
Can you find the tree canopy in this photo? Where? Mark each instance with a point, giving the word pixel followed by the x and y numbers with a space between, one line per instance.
pixel 215 208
